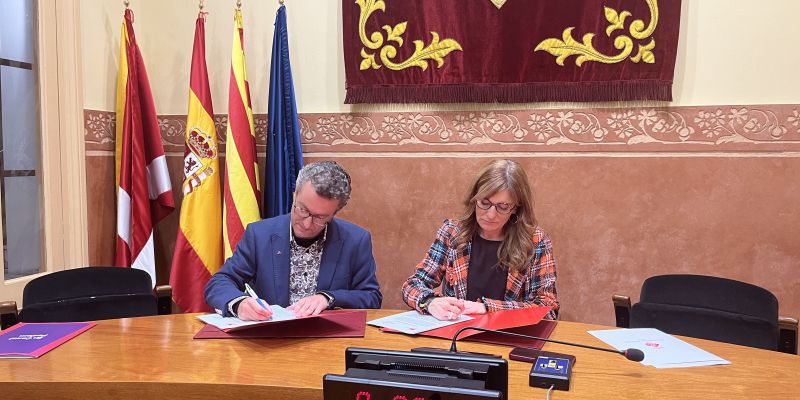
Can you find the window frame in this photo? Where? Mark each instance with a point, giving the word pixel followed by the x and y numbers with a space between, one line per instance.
pixel 62 169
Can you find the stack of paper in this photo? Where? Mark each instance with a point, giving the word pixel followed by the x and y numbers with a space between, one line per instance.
pixel 412 322
pixel 660 349
pixel 283 324
pixel 232 323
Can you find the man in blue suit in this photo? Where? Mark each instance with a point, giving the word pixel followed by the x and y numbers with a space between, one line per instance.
pixel 307 260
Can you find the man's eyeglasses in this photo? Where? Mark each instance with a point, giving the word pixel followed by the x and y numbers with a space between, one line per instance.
pixel 318 220
pixel 502 208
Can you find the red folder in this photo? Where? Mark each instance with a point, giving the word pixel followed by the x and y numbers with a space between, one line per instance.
pixel 543 329
pixel 328 324
pixel 526 321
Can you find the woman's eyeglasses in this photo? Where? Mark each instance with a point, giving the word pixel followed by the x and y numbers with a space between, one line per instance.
pixel 502 208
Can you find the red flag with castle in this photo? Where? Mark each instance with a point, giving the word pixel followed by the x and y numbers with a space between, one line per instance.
pixel 144 191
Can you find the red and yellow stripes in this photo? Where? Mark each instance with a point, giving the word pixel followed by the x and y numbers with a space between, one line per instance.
pixel 198 247
pixel 242 187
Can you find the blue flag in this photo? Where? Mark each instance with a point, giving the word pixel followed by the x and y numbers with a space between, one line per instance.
pixel 284 155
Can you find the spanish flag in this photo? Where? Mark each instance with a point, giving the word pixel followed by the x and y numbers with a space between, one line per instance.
pixel 198 247
pixel 242 188
pixel 144 195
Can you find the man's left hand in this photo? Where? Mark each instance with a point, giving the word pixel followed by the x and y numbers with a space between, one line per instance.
pixel 311 305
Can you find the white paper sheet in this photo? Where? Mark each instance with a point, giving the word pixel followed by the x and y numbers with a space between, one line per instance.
pixel 412 322
pixel 660 349
pixel 278 314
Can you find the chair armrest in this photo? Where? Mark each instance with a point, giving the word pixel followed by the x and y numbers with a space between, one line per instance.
pixel 622 310
pixel 787 335
pixel 8 314
pixel 164 298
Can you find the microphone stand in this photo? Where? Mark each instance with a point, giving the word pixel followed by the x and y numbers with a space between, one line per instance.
pixel 551 370
pixel 630 354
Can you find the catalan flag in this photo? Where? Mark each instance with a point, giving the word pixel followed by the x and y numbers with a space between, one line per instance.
pixel 144 195
pixel 242 188
pixel 198 247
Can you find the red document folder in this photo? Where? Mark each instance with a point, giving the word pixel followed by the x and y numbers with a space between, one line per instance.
pixel 526 321
pixel 543 329
pixel 333 323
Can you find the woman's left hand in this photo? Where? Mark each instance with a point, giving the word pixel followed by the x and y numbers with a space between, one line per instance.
pixel 473 307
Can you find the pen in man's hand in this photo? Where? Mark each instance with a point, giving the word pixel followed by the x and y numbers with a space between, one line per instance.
pixel 252 294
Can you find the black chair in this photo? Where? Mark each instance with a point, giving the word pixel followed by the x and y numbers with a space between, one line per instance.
pixel 708 307
pixel 88 294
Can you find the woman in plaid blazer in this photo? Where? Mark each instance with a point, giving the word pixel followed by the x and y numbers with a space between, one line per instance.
pixel 495 257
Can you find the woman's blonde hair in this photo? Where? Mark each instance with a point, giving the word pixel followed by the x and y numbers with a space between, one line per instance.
pixel 514 253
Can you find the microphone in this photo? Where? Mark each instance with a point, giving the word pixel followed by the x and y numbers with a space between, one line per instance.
pixel 631 354
pixel 549 370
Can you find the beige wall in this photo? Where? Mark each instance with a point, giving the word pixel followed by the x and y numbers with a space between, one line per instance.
pixel 730 52
pixel 721 202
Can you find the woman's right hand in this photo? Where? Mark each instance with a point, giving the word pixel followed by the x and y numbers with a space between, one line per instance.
pixel 446 308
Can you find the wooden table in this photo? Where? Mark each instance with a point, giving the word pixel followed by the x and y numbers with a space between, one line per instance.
pixel 155 357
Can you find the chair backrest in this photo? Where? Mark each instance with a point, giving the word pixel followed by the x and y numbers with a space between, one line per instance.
pixel 88 294
pixel 709 307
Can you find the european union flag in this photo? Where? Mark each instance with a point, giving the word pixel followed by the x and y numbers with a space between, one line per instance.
pixel 284 155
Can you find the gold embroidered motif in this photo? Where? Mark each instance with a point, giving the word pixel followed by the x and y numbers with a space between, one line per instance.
pixel 498 3
pixel 437 50
pixel 585 51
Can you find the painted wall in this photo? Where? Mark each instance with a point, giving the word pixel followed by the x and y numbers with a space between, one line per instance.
pixel 696 186
pixel 730 52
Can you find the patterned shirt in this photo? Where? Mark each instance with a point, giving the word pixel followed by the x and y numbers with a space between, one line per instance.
pixel 305 263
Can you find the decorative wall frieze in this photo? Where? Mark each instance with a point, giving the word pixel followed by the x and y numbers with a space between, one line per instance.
pixel 675 129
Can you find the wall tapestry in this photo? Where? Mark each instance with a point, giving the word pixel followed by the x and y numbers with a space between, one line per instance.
pixel 509 51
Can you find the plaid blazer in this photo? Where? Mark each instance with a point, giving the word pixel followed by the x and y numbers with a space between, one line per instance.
pixel 446 266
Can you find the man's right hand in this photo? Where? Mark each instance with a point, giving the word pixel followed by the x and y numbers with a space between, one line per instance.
pixel 250 310
pixel 446 308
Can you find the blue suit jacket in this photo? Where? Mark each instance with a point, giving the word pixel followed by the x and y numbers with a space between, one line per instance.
pixel 347 269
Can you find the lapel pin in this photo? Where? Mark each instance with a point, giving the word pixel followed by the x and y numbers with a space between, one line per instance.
pixel 278 252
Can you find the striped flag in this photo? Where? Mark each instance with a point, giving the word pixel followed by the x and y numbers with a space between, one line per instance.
pixel 242 189
pixel 144 195
pixel 198 247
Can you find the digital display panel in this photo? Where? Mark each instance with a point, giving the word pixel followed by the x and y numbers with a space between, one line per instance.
pixel 338 387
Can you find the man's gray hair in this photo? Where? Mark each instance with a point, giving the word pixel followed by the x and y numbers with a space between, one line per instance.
pixel 328 179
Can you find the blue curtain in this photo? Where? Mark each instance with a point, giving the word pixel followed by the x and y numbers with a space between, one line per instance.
pixel 284 155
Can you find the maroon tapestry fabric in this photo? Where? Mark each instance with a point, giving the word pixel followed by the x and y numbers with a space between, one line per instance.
pixel 443 51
